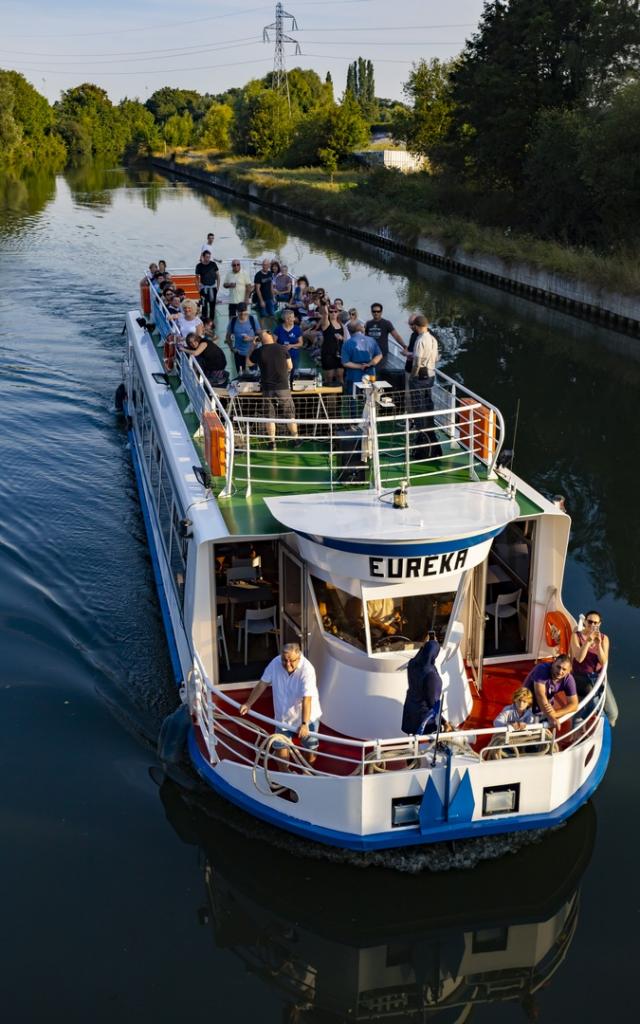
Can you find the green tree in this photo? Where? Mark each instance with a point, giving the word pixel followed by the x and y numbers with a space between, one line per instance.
pixel 215 128
pixel 263 126
pixel 139 127
pixel 167 102
pixel 531 55
pixel 361 84
pixel 328 161
pixel 178 130
pixel 426 123
pixel 346 128
pixel 27 123
pixel 89 123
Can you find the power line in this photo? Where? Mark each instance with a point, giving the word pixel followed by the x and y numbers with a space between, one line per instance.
pixel 145 28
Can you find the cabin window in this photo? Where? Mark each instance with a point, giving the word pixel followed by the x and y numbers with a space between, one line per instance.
pixel 403 622
pixel 340 613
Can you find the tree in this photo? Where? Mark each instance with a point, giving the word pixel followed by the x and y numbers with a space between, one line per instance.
pixel 26 124
pixel 215 127
pixel 329 161
pixel 263 126
pixel 89 123
pixel 167 102
pixel 361 84
pixel 528 56
pixel 346 129
pixel 178 130
pixel 141 131
pixel 426 123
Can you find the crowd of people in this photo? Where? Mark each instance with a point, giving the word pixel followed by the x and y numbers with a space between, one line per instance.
pixel 344 345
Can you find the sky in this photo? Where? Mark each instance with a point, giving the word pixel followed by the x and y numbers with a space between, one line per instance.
pixel 133 49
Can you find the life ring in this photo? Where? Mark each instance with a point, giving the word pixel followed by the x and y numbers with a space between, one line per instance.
pixel 557 631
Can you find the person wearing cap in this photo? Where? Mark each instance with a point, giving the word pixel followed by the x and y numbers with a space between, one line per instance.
pixel 238 284
pixel 242 330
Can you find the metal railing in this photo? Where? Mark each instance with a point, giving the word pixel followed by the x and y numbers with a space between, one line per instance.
pixel 245 739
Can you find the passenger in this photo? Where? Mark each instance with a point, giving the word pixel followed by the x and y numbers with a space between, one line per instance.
pixel 517 716
pixel 242 331
pixel 208 278
pixel 283 284
pixel 359 354
pixel 296 703
pixel 380 330
pixel 421 381
pixel 352 321
pixel 151 273
pixel 413 337
pixel 546 681
pixel 289 335
pixel 298 300
pixel 275 367
pixel 207 246
pixel 239 286
pixel 333 336
pixel 263 290
pixel 210 357
pixel 424 695
pixel 343 316
pixel 589 649
pixel 188 320
pixel 162 267
pixel 209 328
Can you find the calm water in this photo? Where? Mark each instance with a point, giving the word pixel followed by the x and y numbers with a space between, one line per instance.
pixel 121 901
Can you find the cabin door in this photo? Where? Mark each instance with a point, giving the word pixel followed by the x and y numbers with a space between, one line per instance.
pixel 293 599
pixel 477 617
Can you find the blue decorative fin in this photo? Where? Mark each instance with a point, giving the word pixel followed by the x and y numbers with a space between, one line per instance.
pixel 432 807
pixel 462 805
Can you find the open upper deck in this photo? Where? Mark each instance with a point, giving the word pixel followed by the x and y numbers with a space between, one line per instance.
pixel 374 438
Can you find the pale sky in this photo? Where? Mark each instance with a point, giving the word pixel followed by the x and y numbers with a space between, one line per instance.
pixel 134 49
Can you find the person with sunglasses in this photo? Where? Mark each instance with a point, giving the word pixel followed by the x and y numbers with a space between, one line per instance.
pixel 589 649
pixel 238 284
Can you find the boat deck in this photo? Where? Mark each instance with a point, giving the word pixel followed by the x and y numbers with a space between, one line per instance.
pixel 327 460
pixel 499 682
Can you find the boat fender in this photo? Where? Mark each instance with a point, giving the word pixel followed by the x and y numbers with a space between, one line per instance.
pixel 120 396
pixel 173 735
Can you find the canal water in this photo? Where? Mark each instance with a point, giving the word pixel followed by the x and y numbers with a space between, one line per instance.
pixel 121 899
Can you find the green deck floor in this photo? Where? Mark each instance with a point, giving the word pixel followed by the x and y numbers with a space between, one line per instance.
pixel 302 470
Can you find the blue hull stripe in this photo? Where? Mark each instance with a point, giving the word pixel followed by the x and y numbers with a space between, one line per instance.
pixel 401 550
pixel 164 604
pixel 406 837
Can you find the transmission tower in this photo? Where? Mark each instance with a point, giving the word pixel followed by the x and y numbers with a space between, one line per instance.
pixel 280 80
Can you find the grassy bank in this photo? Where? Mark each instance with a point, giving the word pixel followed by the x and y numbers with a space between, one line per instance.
pixel 401 203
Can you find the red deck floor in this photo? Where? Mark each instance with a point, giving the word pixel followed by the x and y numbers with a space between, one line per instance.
pixel 498 684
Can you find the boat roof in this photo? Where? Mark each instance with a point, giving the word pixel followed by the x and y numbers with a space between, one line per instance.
pixel 438 512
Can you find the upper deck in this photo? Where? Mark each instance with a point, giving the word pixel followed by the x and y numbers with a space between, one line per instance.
pixel 373 439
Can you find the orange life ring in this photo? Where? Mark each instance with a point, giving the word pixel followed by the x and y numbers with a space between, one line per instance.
pixel 557 631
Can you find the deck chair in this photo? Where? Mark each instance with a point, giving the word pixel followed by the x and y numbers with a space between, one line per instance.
pixel 504 607
pixel 222 640
pixel 258 621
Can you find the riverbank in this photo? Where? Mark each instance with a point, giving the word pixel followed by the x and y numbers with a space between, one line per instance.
pixel 590 286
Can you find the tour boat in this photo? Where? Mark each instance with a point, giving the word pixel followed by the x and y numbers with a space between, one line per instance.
pixel 383 505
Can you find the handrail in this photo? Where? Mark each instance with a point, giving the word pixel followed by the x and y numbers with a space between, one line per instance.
pixel 411 747
pixel 500 429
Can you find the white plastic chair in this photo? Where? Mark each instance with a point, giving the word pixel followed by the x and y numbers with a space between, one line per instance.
pixel 222 641
pixel 258 621
pixel 504 607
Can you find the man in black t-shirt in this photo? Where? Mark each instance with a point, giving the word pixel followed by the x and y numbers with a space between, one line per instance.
pixel 379 329
pixel 275 366
pixel 208 276
pixel 263 282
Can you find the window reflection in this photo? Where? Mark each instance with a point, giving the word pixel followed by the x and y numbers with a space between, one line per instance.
pixel 395 623
pixel 340 612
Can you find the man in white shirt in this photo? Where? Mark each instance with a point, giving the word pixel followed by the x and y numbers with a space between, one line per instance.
pixel 207 246
pixel 239 286
pixel 421 381
pixel 296 703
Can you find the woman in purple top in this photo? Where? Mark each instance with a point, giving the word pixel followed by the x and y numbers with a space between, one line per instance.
pixel 546 681
pixel 589 650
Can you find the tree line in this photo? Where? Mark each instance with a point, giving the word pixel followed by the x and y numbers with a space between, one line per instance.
pixel 536 124
pixel 308 127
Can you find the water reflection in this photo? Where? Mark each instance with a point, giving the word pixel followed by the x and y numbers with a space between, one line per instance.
pixel 24 195
pixel 337 943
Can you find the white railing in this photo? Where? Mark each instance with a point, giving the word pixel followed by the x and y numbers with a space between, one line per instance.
pixel 215 709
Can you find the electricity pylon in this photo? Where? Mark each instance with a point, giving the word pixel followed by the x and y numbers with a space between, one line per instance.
pixel 280 80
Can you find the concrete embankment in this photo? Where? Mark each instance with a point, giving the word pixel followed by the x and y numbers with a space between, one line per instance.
pixel 617 311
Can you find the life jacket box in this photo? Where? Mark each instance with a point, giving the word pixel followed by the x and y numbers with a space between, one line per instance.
pixel 214 443
pixel 348 455
pixel 477 426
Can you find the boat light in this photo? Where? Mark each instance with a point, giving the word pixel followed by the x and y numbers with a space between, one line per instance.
pixel 400 499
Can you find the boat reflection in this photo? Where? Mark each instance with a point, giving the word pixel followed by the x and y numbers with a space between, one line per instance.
pixel 340 943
